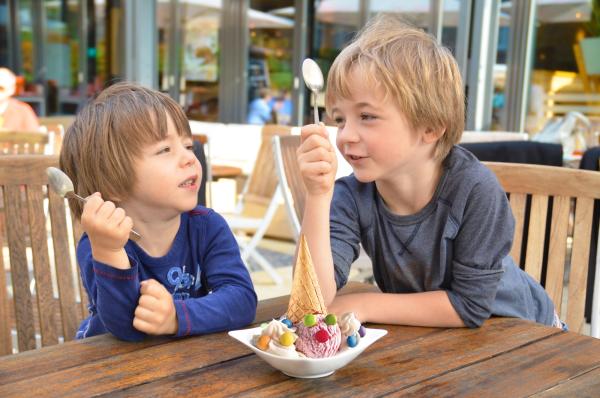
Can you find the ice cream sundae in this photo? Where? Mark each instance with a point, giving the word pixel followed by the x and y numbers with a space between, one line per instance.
pixel 307 329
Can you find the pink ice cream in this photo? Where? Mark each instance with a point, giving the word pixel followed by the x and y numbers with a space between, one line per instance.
pixel 320 340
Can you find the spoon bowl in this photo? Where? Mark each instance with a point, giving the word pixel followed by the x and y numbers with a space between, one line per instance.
pixel 62 185
pixel 313 78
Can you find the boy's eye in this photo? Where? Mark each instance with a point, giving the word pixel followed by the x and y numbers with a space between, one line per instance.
pixel 189 147
pixel 366 116
pixel 339 120
pixel 164 150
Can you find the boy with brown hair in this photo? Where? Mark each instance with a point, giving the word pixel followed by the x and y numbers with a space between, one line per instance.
pixel 130 153
pixel 434 221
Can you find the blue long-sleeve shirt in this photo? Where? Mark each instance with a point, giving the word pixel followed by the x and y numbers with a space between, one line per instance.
pixel 203 270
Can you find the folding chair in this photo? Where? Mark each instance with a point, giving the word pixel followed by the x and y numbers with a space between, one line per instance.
pixel 294 193
pixel 38 294
pixel 537 193
pixel 260 192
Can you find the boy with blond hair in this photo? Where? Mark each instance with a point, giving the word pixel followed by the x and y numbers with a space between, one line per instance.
pixel 130 153
pixel 434 221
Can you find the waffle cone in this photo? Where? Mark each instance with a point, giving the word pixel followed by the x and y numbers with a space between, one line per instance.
pixel 306 297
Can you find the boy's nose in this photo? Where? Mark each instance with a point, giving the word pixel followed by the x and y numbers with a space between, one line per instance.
pixel 347 133
pixel 188 157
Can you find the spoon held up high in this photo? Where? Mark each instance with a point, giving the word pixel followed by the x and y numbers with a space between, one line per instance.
pixel 313 78
pixel 63 186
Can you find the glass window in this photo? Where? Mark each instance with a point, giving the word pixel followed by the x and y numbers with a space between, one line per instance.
pixel 270 76
pixel 199 55
pixel 61 53
pixel 566 68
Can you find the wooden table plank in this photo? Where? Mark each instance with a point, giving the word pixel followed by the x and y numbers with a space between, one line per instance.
pixel 63 362
pixel 389 368
pixel 30 364
pixel 243 375
pixel 404 357
pixel 583 386
pixel 533 368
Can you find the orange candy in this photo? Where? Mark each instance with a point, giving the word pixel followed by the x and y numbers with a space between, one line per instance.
pixel 263 342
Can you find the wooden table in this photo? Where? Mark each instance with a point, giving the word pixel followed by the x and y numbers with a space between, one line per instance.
pixel 506 357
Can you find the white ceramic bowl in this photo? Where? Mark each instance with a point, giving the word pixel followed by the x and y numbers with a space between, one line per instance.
pixel 308 367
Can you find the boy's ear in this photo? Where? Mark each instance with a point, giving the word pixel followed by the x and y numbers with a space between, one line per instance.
pixel 431 134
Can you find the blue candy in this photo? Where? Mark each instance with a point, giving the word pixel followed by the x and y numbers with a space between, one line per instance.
pixel 287 322
pixel 352 341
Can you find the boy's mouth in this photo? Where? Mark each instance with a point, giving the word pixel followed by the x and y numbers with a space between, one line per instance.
pixel 189 182
pixel 355 157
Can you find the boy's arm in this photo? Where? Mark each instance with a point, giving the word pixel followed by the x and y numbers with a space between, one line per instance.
pixel 415 309
pixel 318 165
pixel 231 302
pixel 113 296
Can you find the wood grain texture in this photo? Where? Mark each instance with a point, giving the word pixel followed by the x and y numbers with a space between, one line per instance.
pixel 536 367
pixel 564 185
pixel 546 180
pixel 504 355
pixel 23 183
pixel 585 385
pixel 557 251
pixel 535 238
pixel 518 202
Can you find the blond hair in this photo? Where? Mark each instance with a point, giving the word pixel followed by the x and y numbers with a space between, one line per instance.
pixel 412 69
pixel 108 134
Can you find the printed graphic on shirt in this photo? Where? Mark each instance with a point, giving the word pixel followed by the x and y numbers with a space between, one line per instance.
pixel 182 282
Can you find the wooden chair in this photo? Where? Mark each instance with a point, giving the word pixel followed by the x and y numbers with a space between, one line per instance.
pixel 23 142
pixel 541 194
pixel 260 196
pixel 56 133
pixel 290 181
pixel 294 195
pixel 27 297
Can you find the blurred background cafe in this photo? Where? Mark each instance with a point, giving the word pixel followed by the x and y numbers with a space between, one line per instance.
pixel 523 62
pixel 531 75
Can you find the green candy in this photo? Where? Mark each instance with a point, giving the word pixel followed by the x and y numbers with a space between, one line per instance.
pixel 310 320
pixel 330 319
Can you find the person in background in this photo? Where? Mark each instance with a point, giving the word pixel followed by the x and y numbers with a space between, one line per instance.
pixel 259 111
pixel 130 152
pixel 15 115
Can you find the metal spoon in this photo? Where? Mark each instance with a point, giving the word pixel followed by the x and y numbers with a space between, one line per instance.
pixel 313 78
pixel 63 186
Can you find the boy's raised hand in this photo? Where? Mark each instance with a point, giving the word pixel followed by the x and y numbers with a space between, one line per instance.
pixel 108 228
pixel 317 160
pixel 155 313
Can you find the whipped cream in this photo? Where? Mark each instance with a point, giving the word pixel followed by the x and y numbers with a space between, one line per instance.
pixel 277 349
pixel 349 325
pixel 276 328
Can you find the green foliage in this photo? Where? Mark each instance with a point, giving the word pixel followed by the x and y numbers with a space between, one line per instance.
pixel 593 27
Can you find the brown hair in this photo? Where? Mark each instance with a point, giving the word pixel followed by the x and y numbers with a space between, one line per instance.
pixel 108 134
pixel 414 71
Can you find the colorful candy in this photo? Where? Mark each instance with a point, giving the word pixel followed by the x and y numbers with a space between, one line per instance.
pixel 287 322
pixel 330 319
pixel 322 336
pixel 310 320
pixel 362 331
pixel 352 341
pixel 286 339
pixel 263 342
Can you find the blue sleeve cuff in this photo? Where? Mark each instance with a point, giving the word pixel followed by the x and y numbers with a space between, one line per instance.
pixel 108 272
pixel 184 325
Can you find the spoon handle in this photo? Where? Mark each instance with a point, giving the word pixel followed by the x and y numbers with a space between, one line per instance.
pixel 133 235
pixel 316 108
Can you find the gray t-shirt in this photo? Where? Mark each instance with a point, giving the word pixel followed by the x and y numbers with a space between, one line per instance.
pixel 459 242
